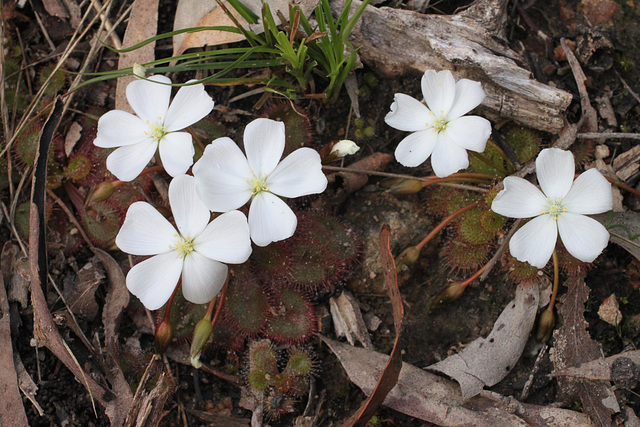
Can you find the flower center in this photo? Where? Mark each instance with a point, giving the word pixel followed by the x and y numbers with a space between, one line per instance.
pixel 439 123
pixel 184 246
pixel 257 184
pixel 156 129
pixel 554 208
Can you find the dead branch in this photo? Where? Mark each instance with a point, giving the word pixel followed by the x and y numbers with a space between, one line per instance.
pixel 472 45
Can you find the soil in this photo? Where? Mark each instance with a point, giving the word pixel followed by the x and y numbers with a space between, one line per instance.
pixel 429 335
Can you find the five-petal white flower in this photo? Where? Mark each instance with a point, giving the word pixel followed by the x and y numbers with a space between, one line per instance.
pixel 153 128
pixel 440 130
pixel 196 250
pixel 226 179
pixel 561 208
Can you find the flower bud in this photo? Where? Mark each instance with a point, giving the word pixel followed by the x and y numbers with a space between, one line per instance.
pixel 545 325
pixel 139 71
pixel 345 147
pixel 452 292
pixel 405 186
pixel 102 191
pixel 340 149
pixel 164 334
pixel 407 257
pixel 201 334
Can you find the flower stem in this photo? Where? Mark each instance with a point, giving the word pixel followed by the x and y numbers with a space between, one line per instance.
pixel 221 298
pixel 624 186
pixel 486 176
pixel 556 275
pixel 445 222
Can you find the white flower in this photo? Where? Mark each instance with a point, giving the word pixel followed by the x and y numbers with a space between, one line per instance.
pixel 440 131
pixel 561 208
pixel 155 127
pixel 196 250
pixel 344 147
pixel 226 179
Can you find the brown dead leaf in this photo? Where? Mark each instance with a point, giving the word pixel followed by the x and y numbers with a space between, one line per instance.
pixel 143 24
pixel 573 347
pixel 486 361
pixel 438 400
pixel 73 135
pixel 621 368
pixel 116 301
pixel 11 407
pixel 80 291
pixel 356 180
pixel 16 274
pixel 55 8
pixel 205 13
pixel 389 377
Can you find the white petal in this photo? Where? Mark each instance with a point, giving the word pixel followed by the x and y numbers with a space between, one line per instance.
pixel 202 278
pixel 408 114
pixel 414 149
pixel 270 219
pixel 221 176
pixel 150 100
pixel 189 212
pixel 439 90
pixel 299 174
pixel 589 194
pixel 145 231
pixel 469 132
pixel 555 169
pixel 153 280
pixel 534 242
pixel 519 199
pixel 469 95
pixel 448 157
pixel 176 152
pixel 226 239
pixel 117 128
pixel 584 237
pixel 127 162
pixel 264 144
pixel 189 106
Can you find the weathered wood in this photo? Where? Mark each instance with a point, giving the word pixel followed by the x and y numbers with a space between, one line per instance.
pixel 472 45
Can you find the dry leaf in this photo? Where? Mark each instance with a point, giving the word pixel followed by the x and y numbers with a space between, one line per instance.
pixel 391 372
pixel 486 361
pixel 620 368
pixel 80 292
pixel 207 13
pixel 11 407
pixel 347 319
pixel 437 400
pixel 143 24
pixel 355 181
pixel 55 8
pixel 573 346
pixel 73 135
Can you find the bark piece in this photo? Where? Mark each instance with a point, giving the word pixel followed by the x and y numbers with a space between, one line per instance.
pixel 347 319
pixel 471 44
